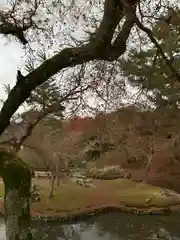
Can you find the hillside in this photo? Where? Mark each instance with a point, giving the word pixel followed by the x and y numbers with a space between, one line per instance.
pixel 127 138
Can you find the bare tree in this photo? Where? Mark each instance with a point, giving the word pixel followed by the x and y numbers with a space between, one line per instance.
pixel 55 158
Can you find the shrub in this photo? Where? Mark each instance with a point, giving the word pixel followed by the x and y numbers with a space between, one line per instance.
pixel 107 173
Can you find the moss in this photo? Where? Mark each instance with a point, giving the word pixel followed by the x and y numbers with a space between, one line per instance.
pixel 16 174
pixel 13 170
pixel 17 180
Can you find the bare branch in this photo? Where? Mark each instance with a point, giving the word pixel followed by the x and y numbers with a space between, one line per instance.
pixel 29 126
pixel 99 48
pixel 10 25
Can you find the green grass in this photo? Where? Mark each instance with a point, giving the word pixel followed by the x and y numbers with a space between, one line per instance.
pixel 69 197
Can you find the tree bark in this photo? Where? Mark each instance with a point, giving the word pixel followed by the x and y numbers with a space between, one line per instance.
pixel 17 180
pixel 51 194
pixel 58 180
pixel 147 168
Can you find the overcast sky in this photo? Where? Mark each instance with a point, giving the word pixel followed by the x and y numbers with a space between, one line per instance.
pixel 10 59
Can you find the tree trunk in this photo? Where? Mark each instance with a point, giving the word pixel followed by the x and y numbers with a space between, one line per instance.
pixel 51 194
pixel 147 168
pixel 58 180
pixel 17 180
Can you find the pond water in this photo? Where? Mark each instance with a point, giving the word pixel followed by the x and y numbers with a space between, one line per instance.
pixel 112 226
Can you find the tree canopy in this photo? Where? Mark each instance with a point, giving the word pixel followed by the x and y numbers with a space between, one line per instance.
pixel 85 39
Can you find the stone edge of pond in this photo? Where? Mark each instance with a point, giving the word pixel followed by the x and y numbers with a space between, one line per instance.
pixel 81 215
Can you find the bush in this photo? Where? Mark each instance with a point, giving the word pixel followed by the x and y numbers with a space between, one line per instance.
pixel 107 173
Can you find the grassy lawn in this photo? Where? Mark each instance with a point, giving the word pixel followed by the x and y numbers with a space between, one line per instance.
pixel 69 197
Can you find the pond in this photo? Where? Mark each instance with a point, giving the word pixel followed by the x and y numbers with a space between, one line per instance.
pixel 112 226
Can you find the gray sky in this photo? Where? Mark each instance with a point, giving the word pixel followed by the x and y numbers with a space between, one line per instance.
pixel 10 59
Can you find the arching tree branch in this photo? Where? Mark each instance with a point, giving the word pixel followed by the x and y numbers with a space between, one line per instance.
pixel 99 48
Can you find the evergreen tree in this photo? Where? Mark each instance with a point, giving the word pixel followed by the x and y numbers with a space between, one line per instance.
pixel 148 70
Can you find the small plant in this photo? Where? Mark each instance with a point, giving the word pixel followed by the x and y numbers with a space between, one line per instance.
pixel 35 196
pixel 82 180
pixel 107 173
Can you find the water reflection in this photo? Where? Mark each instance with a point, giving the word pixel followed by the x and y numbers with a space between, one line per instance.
pixel 2 229
pixel 114 226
